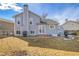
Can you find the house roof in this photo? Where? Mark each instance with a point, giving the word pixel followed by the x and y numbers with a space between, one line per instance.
pixel 29 12
pixel 44 21
pixel 48 22
pixel 70 21
pixel 1 19
pixel 68 27
pixel 6 24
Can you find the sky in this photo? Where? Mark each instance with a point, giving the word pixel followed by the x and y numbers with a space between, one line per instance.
pixel 55 11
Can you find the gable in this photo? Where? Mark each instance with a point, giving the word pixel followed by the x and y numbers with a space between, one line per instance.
pixel 21 14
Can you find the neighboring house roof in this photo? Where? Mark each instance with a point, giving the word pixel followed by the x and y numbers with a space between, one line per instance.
pixel 6 25
pixel 1 19
pixel 70 25
pixel 70 21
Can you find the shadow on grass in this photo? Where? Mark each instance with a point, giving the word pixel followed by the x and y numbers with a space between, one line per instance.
pixel 66 45
pixel 3 36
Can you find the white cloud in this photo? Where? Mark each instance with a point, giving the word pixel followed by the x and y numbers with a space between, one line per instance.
pixel 13 6
pixel 71 13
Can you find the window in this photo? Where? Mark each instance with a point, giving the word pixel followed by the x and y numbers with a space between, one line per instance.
pixel 51 26
pixel 18 22
pixel 30 22
pixel 17 32
pixel 40 30
pixel 32 32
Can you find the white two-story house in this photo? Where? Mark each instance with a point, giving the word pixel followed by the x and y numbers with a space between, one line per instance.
pixel 28 23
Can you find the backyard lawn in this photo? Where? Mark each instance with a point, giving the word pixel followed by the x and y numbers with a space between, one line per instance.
pixel 38 46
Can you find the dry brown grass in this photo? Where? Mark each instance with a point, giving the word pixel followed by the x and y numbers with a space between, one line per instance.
pixel 38 46
pixel 11 45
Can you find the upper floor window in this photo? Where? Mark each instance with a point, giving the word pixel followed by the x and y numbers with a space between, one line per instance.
pixel 18 22
pixel 30 22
